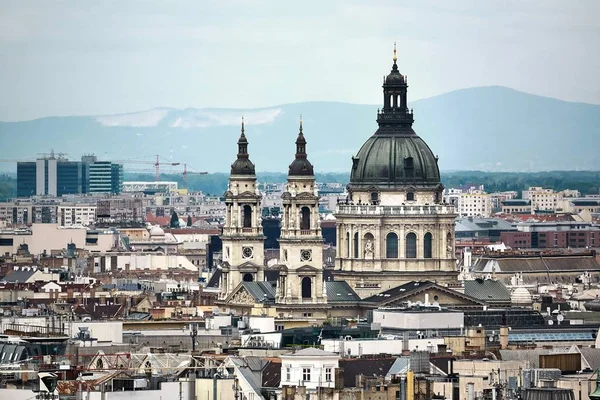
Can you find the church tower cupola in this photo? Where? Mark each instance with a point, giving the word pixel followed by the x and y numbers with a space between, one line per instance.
pixel 242 165
pixel 301 166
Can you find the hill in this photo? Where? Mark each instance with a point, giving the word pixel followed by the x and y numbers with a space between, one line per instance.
pixel 486 128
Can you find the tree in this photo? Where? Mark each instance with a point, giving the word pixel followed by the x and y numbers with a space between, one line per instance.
pixel 189 220
pixel 174 220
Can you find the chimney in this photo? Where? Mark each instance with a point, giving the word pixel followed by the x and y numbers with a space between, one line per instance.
pixel 503 337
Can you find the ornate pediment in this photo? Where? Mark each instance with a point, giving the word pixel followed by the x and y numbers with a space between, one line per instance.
pixel 240 296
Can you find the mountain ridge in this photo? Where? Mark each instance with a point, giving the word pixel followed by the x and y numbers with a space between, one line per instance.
pixel 490 128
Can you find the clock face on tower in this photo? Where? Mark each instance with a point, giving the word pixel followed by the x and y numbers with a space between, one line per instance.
pixel 306 255
pixel 247 252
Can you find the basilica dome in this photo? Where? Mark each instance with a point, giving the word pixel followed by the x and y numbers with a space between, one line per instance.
pixel 395 156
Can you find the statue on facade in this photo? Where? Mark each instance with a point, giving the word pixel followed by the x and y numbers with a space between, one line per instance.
pixel 368 248
pixel 449 246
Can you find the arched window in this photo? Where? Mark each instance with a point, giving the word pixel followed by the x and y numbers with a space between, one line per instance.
pixel 411 245
pixel 355 244
pixel 391 100
pixel 398 102
pixel 408 163
pixel 247 210
pixel 248 277
pixel 306 287
pixel 391 245
pixel 410 196
pixel 427 239
pixel 305 218
pixel 347 244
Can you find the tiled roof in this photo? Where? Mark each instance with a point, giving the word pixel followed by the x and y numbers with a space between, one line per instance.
pixel 489 291
pixel 539 264
pixel 340 291
pixel 18 276
pixel 271 376
pixel 365 366
pixel 403 290
pixel 214 279
pixel 263 292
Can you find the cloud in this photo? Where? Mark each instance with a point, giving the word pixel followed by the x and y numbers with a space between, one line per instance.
pixel 142 119
pixel 190 118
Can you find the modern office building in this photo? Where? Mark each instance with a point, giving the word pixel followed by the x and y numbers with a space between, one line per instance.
pixel 51 176
pixel 26 179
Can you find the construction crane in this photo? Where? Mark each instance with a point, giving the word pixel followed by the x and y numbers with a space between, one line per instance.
pixel 157 170
pixel 156 164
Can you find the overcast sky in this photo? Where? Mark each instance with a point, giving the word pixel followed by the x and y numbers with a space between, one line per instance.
pixel 103 57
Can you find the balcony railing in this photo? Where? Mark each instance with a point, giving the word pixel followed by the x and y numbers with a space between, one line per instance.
pixel 365 209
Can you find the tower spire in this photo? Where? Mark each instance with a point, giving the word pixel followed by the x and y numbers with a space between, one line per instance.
pixel 300 123
pixel 395 56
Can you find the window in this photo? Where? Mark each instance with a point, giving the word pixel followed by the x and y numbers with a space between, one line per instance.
pixel 328 374
pixel 306 374
pixel 305 218
pixel 410 196
pixel 355 244
pixel 427 245
pixel 374 198
pixel 411 245
pixel 247 210
pixel 288 373
pixel 306 288
pixel 391 245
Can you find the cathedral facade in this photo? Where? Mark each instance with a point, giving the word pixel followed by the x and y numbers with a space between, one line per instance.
pixel 392 229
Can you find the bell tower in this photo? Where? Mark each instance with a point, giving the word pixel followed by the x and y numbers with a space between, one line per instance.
pixel 243 239
pixel 301 241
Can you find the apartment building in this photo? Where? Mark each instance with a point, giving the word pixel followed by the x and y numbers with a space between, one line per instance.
pixel 76 214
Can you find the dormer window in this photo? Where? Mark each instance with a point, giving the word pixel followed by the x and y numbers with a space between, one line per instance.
pixel 410 196
pixel 374 198
pixel 408 163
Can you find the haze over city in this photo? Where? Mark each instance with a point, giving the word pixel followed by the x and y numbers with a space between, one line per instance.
pixel 92 58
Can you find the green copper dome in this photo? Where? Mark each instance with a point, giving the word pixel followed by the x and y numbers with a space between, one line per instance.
pixel 395 156
pixel 393 160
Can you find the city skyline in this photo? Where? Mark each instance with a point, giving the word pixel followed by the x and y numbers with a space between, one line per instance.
pixel 93 59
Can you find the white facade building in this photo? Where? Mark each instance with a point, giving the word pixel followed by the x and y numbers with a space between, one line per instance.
pixel 310 367
pixel 543 199
pixel 76 214
pixel 476 204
